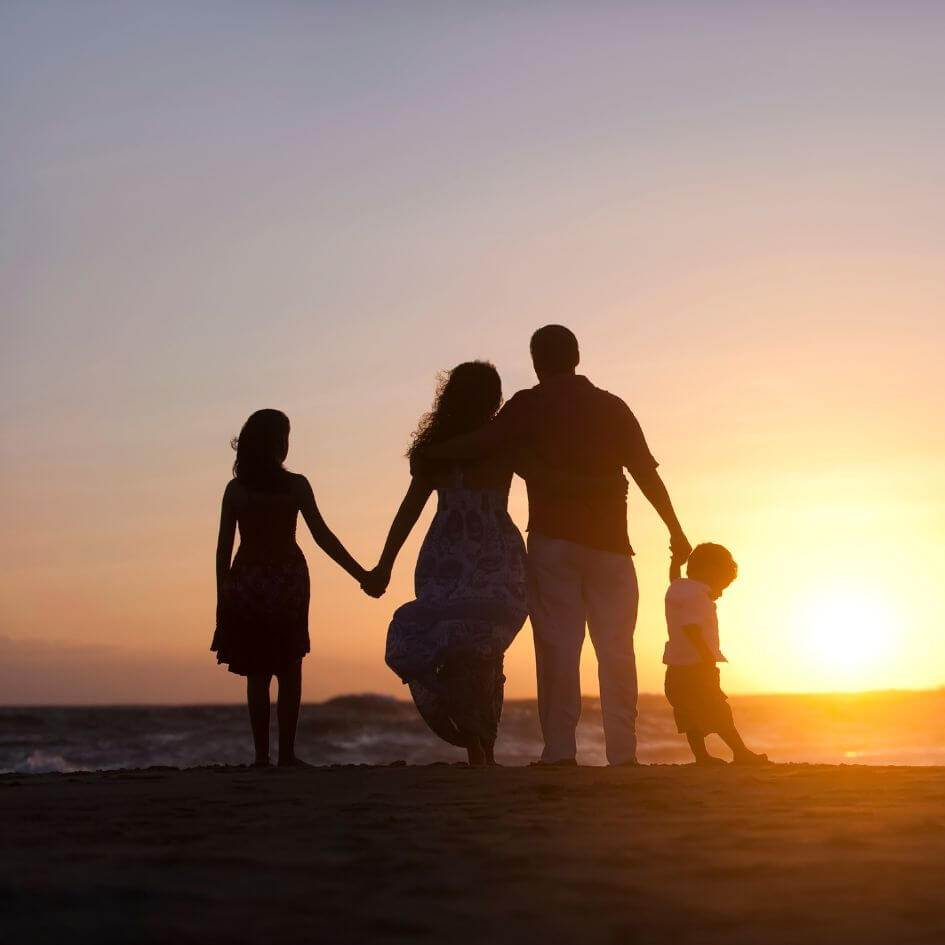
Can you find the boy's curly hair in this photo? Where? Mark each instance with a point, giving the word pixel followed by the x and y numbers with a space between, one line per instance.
pixel 713 562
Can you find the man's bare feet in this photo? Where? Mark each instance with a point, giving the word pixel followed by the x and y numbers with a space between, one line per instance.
pixel 710 761
pixel 750 758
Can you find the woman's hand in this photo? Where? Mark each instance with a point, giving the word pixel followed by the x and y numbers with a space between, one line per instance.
pixel 375 582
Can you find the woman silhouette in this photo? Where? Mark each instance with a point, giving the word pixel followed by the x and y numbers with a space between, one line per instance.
pixel 263 595
pixel 448 644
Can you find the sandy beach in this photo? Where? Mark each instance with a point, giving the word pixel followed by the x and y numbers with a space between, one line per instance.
pixel 445 853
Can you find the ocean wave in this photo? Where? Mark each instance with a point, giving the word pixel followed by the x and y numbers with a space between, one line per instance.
pixel 41 762
pixel 875 728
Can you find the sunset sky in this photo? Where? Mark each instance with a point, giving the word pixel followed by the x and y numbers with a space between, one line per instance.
pixel 739 208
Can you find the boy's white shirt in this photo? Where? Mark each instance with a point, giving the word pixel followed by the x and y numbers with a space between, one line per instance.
pixel 688 602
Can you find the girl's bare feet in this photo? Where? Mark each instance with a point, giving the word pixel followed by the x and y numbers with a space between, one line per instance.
pixel 293 762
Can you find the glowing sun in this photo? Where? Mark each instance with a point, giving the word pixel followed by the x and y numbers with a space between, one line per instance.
pixel 847 631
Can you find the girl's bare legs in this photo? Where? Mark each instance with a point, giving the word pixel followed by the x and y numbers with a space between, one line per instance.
pixel 287 710
pixel 474 749
pixel 257 698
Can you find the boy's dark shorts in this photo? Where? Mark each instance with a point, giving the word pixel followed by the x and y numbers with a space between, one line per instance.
pixel 699 705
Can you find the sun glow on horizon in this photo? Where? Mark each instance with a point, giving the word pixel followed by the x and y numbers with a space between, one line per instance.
pixel 848 632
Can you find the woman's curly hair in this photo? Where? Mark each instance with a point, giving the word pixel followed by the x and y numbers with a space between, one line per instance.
pixel 466 398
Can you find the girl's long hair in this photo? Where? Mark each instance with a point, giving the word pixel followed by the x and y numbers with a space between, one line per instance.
pixel 261 449
pixel 466 398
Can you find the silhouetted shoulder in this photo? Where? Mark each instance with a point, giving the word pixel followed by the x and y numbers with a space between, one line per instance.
pixel 524 396
pixel 421 467
pixel 615 402
pixel 235 493
pixel 299 486
pixel 635 453
pixel 513 419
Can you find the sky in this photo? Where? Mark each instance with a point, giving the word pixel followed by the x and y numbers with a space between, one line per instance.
pixel 739 208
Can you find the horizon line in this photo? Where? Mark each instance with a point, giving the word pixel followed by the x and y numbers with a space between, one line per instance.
pixel 378 695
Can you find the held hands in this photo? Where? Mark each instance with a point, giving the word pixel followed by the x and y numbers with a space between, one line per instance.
pixel 681 549
pixel 375 582
pixel 679 546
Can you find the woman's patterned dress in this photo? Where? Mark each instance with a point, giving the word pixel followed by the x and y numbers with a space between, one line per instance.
pixel 448 644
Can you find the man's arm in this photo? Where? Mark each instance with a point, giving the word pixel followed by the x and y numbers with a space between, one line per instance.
pixel 498 434
pixel 651 485
pixel 641 465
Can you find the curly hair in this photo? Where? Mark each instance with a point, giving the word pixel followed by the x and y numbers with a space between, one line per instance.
pixel 713 562
pixel 466 398
pixel 261 449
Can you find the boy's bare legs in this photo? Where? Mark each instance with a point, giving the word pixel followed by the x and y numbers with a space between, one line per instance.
pixel 697 744
pixel 287 711
pixel 257 698
pixel 741 753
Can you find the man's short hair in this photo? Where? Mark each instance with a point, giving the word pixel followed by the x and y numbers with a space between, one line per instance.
pixel 712 563
pixel 555 349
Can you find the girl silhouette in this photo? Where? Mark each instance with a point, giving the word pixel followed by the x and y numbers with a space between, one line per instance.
pixel 263 594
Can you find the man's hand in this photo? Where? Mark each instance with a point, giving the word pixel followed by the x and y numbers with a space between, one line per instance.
pixel 375 582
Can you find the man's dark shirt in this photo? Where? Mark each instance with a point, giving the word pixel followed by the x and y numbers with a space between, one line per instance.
pixel 566 424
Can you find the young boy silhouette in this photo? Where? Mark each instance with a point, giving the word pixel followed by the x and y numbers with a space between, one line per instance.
pixel 692 651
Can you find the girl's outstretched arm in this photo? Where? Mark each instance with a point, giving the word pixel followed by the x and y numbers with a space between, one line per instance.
pixel 410 508
pixel 324 537
pixel 225 540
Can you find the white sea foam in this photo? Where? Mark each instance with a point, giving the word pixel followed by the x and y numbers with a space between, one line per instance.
pixel 41 762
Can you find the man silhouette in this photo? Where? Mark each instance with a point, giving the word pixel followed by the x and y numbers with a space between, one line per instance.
pixel 580 563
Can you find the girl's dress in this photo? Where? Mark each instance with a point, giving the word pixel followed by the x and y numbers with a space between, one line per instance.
pixel 262 625
pixel 470 582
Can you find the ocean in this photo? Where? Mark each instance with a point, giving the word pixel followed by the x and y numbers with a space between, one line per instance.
pixel 878 728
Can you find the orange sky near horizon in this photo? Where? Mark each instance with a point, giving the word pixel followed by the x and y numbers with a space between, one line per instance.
pixel 742 224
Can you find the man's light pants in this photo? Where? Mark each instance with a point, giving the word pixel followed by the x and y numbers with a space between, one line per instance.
pixel 570 585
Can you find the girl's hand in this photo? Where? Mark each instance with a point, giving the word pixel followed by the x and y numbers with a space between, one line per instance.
pixel 375 582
